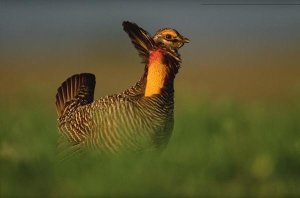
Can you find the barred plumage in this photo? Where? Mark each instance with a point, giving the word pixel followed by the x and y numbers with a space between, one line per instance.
pixel 141 117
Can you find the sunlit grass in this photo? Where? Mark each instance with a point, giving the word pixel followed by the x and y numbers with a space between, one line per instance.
pixel 218 148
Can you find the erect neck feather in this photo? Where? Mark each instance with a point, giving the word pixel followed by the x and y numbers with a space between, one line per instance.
pixel 157 73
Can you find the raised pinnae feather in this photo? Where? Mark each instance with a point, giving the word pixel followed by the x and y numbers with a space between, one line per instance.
pixel 141 40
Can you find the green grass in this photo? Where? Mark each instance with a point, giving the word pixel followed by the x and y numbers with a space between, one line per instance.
pixel 218 149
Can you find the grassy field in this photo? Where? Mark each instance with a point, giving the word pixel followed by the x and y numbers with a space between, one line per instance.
pixel 245 144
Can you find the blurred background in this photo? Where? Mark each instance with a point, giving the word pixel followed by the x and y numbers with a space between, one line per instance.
pixel 237 111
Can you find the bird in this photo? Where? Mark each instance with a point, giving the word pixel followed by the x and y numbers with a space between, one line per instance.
pixel 138 119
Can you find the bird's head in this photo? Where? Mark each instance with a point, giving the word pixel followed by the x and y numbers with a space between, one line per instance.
pixel 170 39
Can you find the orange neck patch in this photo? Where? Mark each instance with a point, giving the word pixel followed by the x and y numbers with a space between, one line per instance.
pixel 157 73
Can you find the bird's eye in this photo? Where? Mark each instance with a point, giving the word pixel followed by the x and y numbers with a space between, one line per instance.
pixel 168 36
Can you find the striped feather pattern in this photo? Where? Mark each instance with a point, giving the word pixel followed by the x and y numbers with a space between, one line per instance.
pixel 126 121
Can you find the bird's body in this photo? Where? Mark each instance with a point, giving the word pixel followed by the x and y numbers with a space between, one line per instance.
pixel 140 118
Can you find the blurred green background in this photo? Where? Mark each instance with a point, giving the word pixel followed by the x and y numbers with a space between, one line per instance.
pixel 237 111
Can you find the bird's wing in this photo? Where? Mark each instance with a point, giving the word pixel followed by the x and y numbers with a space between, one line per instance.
pixel 141 40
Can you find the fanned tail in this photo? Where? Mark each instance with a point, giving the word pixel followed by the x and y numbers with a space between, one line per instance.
pixel 78 88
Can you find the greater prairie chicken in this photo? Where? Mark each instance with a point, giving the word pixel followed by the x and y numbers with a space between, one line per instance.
pixel 141 117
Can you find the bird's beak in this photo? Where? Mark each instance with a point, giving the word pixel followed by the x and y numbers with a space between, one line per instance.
pixel 185 40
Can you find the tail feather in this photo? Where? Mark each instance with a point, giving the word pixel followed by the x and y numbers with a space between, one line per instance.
pixel 78 87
